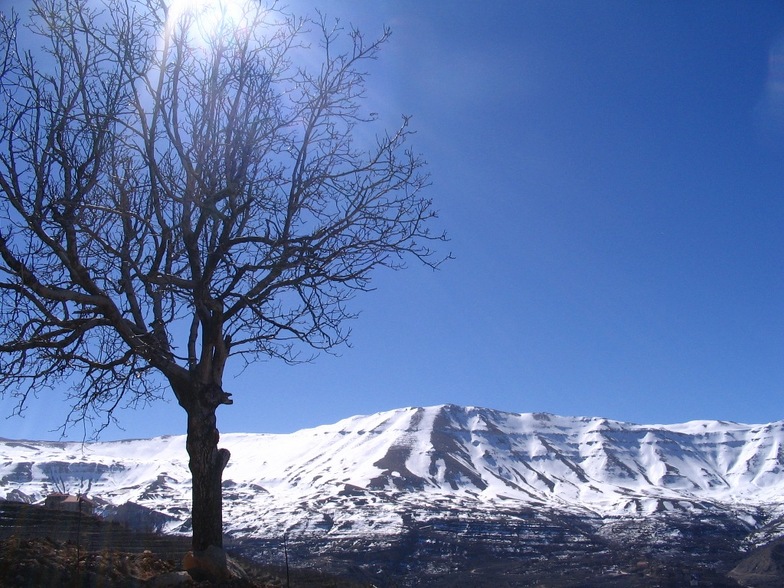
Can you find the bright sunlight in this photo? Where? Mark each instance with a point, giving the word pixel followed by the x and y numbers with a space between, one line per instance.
pixel 209 16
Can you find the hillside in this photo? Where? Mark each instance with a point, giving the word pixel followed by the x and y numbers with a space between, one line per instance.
pixel 430 490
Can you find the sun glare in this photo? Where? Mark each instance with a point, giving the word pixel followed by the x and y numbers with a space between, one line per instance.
pixel 209 16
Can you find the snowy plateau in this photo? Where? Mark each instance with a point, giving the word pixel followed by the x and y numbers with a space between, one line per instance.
pixel 424 492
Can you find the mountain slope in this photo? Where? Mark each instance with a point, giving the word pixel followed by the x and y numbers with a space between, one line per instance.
pixel 417 478
pixel 443 453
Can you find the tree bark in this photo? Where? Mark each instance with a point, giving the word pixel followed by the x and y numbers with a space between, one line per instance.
pixel 207 463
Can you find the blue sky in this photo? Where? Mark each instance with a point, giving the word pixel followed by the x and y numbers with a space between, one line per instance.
pixel 611 175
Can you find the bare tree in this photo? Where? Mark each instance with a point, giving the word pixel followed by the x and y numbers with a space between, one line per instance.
pixel 179 188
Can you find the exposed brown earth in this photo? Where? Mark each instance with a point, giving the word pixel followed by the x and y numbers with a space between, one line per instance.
pixel 43 562
pixel 43 547
pixel 763 568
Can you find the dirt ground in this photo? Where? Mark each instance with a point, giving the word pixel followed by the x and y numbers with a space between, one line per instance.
pixel 44 562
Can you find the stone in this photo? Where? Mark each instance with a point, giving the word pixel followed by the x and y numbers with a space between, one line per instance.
pixel 170 580
pixel 212 564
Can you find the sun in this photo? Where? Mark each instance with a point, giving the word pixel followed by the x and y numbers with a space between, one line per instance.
pixel 210 17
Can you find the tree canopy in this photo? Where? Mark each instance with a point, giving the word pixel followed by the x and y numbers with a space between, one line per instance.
pixel 183 184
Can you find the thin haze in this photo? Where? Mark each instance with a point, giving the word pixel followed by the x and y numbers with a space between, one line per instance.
pixel 611 175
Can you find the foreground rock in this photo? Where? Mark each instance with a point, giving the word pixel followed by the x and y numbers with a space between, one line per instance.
pixel 43 562
pixel 213 565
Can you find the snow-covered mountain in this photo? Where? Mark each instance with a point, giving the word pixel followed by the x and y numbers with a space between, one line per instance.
pixel 437 454
pixel 382 476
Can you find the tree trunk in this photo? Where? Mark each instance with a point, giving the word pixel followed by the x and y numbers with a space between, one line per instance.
pixel 207 463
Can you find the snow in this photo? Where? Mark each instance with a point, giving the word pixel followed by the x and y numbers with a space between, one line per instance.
pixel 326 480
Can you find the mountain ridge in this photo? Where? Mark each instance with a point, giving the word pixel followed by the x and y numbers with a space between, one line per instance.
pixel 592 464
pixel 420 481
